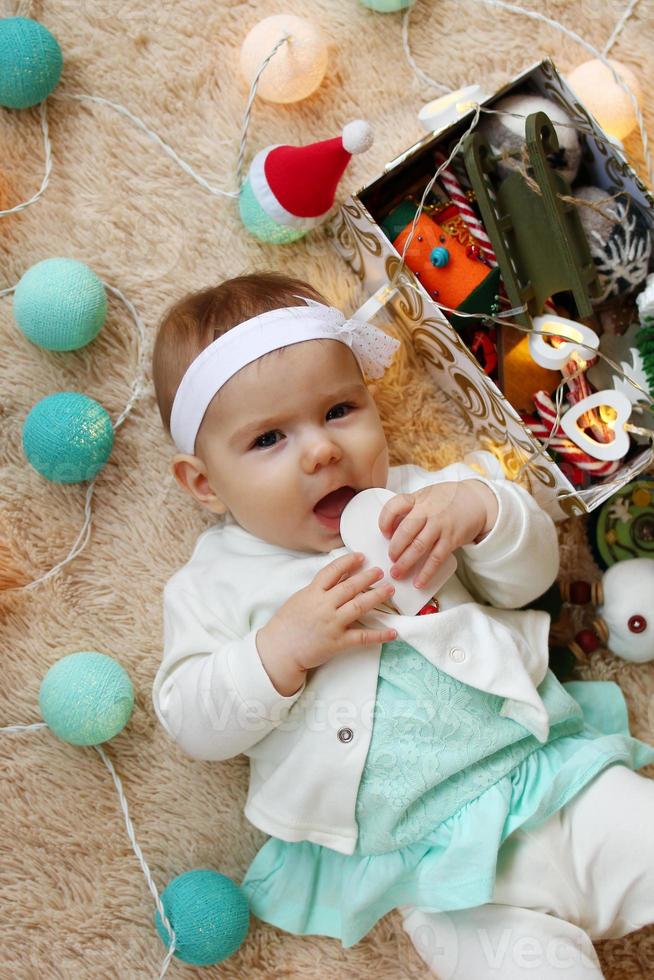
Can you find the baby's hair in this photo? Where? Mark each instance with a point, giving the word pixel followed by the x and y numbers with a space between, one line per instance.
pixel 198 318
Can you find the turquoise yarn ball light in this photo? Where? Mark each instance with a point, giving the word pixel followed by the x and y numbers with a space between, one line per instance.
pixel 86 698
pixel 30 62
pixel 68 437
pixel 60 304
pixel 261 225
pixel 387 6
pixel 209 915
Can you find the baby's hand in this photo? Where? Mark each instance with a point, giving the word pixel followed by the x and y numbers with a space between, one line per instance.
pixel 434 522
pixel 315 624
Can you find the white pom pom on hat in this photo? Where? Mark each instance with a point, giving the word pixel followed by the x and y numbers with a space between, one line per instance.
pixel 296 185
pixel 357 136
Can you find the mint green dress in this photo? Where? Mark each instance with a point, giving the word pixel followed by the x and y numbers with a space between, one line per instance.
pixel 445 782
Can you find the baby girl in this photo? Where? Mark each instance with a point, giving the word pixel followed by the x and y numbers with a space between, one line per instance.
pixel 430 763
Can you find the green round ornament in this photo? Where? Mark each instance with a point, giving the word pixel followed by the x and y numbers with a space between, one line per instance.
pixel 209 914
pixel 60 304
pixel 86 698
pixel 387 6
pixel 260 224
pixel 30 62
pixel 68 437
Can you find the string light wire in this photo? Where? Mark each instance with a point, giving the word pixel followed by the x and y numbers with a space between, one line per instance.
pixel 138 385
pixel 422 75
pixel 536 15
pixel 19 729
pixel 47 153
pixel 140 124
pixel 430 184
pixel 617 30
pixel 248 108
pixel 138 389
pixel 150 133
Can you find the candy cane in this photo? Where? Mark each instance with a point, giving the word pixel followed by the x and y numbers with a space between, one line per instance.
pixel 542 428
pixel 578 389
pixel 454 189
pixel 547 411
pixel 568 449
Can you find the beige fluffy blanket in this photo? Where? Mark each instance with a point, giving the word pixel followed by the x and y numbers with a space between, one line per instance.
pixel 73 901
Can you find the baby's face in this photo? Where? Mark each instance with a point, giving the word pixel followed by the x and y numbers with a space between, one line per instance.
pixel 290 439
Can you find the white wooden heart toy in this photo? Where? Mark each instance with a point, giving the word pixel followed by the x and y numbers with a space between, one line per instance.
pixel 555 358
pixel 360 532
pixel 622 406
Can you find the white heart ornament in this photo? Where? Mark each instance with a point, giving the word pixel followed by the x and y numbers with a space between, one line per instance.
pixel 360 532
pixel 615 449
pixel 555 358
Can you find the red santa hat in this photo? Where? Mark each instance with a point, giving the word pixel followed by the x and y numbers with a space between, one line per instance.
pixel 296 185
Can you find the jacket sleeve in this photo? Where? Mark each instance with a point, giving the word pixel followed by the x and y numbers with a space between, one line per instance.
pixel 518 559
pixel 212 693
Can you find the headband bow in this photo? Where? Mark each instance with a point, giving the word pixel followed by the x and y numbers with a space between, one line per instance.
pixel 372 348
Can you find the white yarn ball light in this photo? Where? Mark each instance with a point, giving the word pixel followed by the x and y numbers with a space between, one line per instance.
pixel 594 84
pixel 296 69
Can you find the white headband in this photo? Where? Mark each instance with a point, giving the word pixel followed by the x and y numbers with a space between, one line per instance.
pixel 259 335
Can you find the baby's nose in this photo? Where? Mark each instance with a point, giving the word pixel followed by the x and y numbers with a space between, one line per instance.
pixel 321 452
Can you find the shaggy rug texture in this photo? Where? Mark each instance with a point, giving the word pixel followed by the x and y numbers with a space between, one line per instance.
pixel 73 901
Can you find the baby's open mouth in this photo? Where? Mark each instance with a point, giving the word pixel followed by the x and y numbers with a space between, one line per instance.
pixel 329 508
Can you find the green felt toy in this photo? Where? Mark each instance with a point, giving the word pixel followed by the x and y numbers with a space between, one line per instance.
pixel 623 526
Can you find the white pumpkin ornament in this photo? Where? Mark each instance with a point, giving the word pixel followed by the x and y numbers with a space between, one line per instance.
pixel 624 599
pixel 626 610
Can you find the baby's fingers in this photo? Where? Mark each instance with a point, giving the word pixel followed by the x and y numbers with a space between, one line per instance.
pixel 394 511
pixel 332 573
pixel 411 528
pixel 364 602
pixel 363 637
pixel 433 563
pixel 410 546
pixel 354 585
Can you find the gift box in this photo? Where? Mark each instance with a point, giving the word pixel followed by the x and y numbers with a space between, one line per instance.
pixel 369 231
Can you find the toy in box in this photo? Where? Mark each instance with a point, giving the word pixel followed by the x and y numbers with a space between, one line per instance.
pixel 537 234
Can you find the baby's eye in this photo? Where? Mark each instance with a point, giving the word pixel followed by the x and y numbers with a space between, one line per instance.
pixel 267 439
pixel 263 441
pixel 339 411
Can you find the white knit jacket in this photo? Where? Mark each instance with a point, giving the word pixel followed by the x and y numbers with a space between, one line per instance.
pixel 307 751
